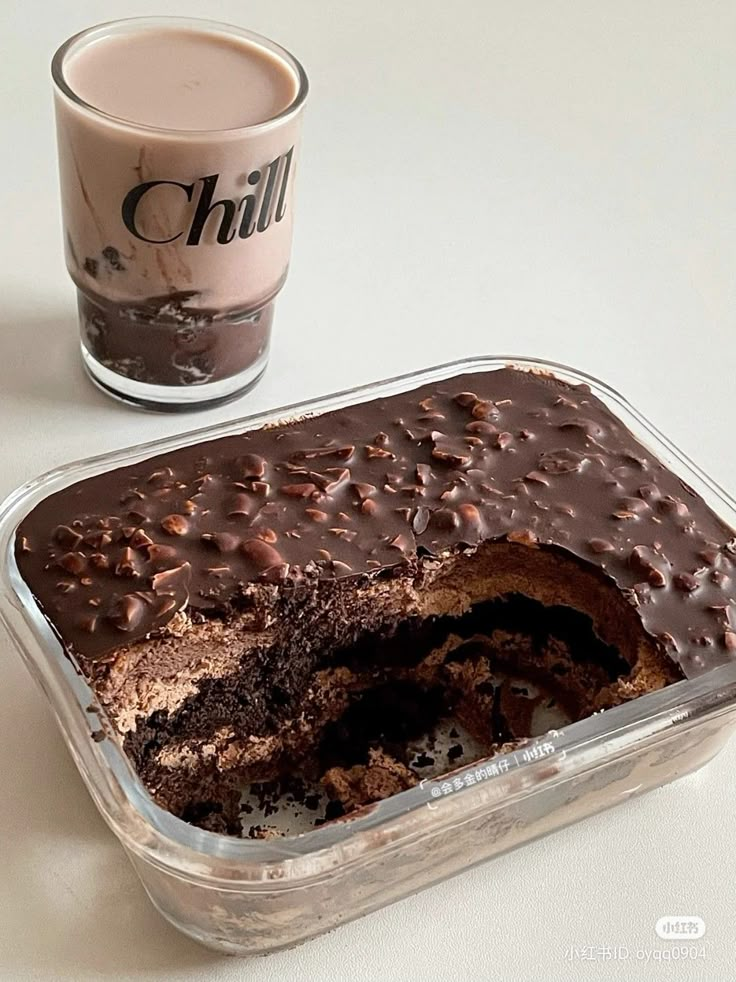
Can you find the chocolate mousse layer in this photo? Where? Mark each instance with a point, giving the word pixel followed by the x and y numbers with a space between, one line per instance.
pixel 222 598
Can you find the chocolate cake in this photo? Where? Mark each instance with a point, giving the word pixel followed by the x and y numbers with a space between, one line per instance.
pixel 305 598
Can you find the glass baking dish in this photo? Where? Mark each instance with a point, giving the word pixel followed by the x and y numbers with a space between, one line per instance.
pixel 248 896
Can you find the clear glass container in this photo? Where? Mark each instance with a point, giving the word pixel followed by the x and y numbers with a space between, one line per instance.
pixel 248 896
pixel 177 221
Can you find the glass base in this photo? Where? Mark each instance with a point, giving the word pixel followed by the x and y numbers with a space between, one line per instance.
pixel 172 398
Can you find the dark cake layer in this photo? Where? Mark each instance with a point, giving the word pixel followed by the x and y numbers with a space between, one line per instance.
pixel 360 709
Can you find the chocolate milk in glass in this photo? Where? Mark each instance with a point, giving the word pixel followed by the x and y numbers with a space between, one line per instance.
pixel 178 144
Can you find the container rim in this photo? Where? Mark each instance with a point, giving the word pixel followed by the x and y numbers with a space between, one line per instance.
pixel 202 856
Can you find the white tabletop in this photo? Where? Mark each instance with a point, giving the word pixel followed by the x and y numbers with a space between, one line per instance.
pixel 555 179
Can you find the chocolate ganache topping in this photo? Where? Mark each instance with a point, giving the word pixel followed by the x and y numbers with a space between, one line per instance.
pixel 501 455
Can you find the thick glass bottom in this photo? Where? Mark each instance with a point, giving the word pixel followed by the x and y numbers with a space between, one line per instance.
pixel 173 398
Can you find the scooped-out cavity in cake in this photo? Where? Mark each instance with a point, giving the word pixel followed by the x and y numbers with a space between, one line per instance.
pixel 305 602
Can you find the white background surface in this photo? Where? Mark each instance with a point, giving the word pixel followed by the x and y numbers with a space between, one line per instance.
pixel 548 178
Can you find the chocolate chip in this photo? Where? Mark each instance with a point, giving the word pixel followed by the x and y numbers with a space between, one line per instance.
pixel 127 565
pixel 421 520
pixel 347 534
pixel 538 477
pixel 165 605
pixel 340 569
pixel 88 623
pixel 316 515
pixel 373 452
pixel 299 490
pixel 160 554
pixel 261 553
pixel 645 561
pixel 561 462
pixel 188 507
pixel 649 492
pixel 656 577
pixel 239 507
pixel 23 544
pixel 469 515
pixel 364 490
pixel 710 554
pixel 222 541
pixel 586 426
pixel 132 497
pixel 600 545
pixel 332 479
pixel 444 518
pixel 175 525
pixel 685 582
pixel 128 612
pixel 171 580
pixel 636 505
pixel 450 457
pixel 483 408
pixel 481 427
pixel 73 562
pixel 466 399
pixel 140 540
pixel 423 473
pixel 402 543
pixel 163 477
pixel 369 507
pixel 251 465
pixel 672 506
pixel 503 440
pixel 729 640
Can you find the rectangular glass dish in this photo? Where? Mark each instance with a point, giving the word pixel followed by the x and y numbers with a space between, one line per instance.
pixel 248 896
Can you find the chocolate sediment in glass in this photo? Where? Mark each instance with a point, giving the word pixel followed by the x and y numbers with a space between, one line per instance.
pixel 228 600
pixel 167 341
